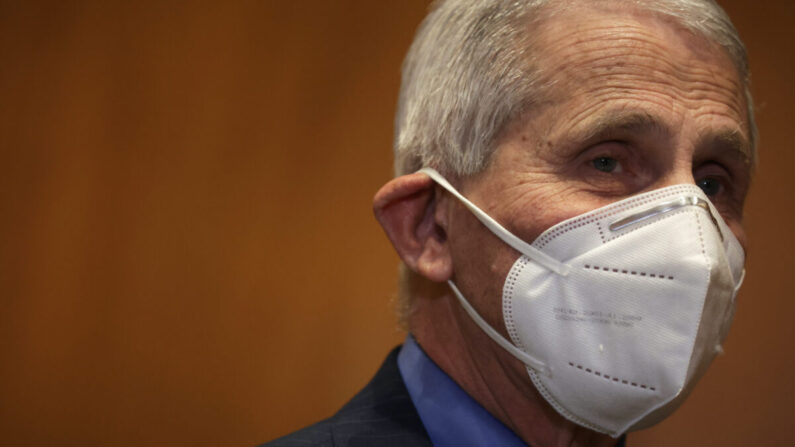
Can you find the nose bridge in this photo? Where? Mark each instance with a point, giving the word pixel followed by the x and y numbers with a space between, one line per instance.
pixel 677 176
pixel 684 137
pixel 680 169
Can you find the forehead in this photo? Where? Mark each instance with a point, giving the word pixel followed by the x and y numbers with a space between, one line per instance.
pixel 596 58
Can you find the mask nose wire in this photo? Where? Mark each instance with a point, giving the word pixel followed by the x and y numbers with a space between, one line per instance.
pixel 521 246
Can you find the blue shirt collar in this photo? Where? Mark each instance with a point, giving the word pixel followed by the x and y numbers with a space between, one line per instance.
pixel 450 416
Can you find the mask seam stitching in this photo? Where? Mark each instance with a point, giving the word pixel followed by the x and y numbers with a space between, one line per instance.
pixel 613 379
pixel 510 326
pixel 628 272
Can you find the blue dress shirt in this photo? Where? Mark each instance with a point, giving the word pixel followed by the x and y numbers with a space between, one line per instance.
pixel 450 416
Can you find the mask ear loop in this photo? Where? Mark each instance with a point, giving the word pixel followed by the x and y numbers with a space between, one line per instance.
pixel 523 247
pixel 738 284
pixel 524 357
pixel 519 245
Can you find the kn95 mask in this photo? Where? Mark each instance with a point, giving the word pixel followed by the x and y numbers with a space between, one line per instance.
pixel 616 313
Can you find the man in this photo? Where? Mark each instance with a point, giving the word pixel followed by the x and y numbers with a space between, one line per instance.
pixel 572 257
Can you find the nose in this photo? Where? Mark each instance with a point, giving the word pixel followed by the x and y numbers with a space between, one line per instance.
pixel 677 174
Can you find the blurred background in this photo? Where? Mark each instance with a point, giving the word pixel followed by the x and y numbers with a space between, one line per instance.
pixel 187 250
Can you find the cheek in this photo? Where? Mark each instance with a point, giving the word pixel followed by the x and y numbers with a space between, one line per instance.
pixel 478 255
pixel 481 262
pixel 546 207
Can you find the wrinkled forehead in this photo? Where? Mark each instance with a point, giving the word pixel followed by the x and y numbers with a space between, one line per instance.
pixel 599 53
pixel 602 34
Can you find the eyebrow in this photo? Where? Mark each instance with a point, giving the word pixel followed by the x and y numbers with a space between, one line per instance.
pixel 607 125
pixel 733 142
pixel 612 124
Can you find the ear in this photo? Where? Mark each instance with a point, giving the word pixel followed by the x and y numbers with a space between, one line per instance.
pixel 407 208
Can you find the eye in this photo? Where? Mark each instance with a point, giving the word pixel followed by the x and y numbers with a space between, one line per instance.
pixel 607 164
pixel 710 185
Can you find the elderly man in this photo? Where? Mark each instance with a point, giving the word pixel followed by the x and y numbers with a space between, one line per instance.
pixel 568 210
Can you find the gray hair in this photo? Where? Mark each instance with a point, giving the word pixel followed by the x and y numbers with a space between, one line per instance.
pixel 468 74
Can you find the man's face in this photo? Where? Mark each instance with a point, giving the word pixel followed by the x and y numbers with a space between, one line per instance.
pixel 633 104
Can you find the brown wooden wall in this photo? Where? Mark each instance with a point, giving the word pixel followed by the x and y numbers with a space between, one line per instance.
pixel 187 252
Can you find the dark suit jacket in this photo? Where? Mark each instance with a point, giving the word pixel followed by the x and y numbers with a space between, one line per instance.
pixel 382 414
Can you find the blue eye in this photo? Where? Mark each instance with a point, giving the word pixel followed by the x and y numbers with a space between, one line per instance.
pixel 711 186
pixel 605 164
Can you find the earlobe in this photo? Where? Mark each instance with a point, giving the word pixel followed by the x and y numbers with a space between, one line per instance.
pixel 407 209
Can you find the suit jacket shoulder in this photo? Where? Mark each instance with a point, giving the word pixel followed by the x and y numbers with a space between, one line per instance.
pixel 381 414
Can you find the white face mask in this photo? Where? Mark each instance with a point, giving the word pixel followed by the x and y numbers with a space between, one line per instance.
pixel 619 311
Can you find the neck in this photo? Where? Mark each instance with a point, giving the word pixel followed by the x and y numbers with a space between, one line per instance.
pixel 495 379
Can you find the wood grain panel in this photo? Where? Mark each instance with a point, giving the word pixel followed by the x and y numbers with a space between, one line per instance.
pixel 187 251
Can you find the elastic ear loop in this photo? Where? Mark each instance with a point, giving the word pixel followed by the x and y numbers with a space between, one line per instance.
pixel 521 246
pixel 719 346
pixel 524 357
pixel 739 284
